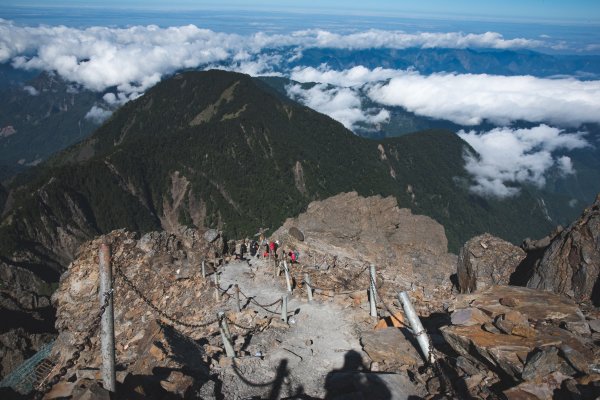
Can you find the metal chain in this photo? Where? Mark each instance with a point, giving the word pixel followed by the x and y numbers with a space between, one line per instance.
pixel 46 387
pixel 219 288
pixel 312 286
pixel 156 309
pixel 247 328
pixel 331 289
pixel 257 303
pixel 389 309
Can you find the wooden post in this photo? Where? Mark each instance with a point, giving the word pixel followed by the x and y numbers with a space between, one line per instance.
pixel 238 307
pixel 284 303
pixel 203 269
pixel 287 277
pixel 107 327
pixel 225 335
pixel 308 287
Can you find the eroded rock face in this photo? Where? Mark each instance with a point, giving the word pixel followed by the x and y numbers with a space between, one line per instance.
pixel 571 263
pixel 166 269
pixel 411 251
pixel 26 315
pixel 530 340
pixel 486 260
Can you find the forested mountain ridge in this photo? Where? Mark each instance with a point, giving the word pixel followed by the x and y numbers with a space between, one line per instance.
pixel 40 117
pixel 220 149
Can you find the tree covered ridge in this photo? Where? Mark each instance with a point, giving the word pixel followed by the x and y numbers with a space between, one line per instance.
pixel 240 161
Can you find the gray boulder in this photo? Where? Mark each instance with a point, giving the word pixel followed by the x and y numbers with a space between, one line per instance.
pixel 486 260
pixel 571 263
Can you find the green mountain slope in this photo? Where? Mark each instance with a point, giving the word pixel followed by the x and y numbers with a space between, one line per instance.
pixel 40 119
pixel 218 149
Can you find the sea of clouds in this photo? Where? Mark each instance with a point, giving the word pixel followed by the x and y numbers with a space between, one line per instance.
pixel 128 61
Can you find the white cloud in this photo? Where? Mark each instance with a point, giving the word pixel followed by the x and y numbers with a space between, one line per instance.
pixel 253 65
pixel 565 165
pixel 135 58
pixel 98 114
pixel 508 156
pixel 342 104
pixel 353 77
pixel 376 38
pixel 469 99
pixel 31 90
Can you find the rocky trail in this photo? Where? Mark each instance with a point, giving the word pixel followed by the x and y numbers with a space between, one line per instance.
pixel 317 353
pixel 493 340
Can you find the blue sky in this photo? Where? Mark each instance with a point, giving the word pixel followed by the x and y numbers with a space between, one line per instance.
pixel 573 11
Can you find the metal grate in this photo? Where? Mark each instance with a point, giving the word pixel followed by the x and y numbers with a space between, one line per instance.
pixel 33 370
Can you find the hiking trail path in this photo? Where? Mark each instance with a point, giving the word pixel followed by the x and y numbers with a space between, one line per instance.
pixel 318 352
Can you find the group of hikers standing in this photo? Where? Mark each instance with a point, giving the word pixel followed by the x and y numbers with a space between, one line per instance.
pixel 261 248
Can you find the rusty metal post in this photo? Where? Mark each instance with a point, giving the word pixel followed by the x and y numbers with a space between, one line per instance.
pixel 308 287
pixel 107 326
pixel 238 307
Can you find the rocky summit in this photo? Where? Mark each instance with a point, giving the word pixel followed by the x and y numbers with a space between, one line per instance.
pixel 411 251
pixel 167 336
pixel 225 151
pixel 181 332
pixel 180 180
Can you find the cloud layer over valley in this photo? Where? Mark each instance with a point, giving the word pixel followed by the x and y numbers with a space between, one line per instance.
pixel 127 61
pixel 136 58
pixel 469 99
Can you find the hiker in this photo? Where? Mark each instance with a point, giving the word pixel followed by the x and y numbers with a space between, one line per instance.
pixel 253 248
pixel 279 252
pixel 238 250
pixel 292 256
pixel 243 249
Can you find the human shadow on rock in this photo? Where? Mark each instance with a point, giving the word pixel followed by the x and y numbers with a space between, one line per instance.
pixel 354 380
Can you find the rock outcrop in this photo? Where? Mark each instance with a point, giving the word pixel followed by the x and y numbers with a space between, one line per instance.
pixel 411 251
pixel 571 262
pixel 529 343
pixel 165 268
pixel 485 261
pixel 26 313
